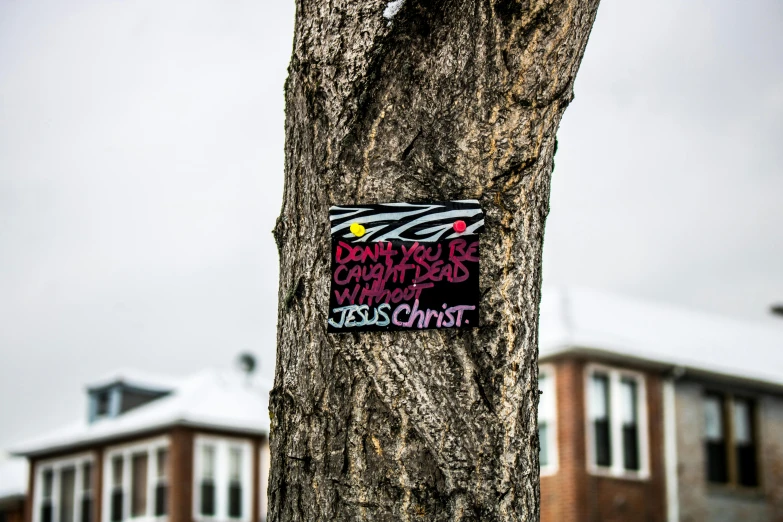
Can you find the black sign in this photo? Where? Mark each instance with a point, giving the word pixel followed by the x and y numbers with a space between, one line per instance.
pixel 405 266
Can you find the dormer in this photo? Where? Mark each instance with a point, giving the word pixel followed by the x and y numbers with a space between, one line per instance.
pixel 124 391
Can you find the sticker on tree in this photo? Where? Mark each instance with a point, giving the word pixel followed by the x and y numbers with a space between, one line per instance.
pixel 405 266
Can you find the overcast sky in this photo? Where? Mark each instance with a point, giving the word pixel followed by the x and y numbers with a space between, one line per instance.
pixel 141 167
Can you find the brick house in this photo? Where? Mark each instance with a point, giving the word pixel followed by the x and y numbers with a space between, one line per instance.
pixel 13 489
pixel 650 413
pixel 155 449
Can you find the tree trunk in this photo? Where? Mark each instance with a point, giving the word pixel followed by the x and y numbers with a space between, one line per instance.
pixel 415 101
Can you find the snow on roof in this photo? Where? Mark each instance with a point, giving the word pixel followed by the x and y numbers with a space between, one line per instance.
pixel 212 399
pixel 13 478
pixel 136 379
pixel 575 318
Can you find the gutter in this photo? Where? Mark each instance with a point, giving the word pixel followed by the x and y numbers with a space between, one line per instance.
pixel 670 458
pixel 107 439
pixel 620 356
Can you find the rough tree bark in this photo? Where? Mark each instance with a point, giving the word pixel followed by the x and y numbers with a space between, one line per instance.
pixel 447 99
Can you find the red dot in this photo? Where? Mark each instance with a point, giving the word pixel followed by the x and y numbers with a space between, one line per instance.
pixel 459 226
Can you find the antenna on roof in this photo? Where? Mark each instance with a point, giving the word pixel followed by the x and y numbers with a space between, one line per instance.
pixel 247 364
pixel 777 309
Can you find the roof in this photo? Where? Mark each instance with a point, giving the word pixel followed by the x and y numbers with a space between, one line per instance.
pixel 575 319
pixel 209 399
pixel 137 379
pixel 13 478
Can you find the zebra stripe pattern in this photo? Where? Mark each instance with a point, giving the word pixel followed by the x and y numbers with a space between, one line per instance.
pixel 422 222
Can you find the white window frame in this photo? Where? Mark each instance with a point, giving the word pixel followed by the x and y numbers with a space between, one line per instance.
pixel 551 468
pixel 126 451
pixel 264 458
pixel 77 461
pixel 617 468
pixel 222 446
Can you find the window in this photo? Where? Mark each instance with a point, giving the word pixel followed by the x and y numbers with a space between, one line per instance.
pixel 235 482
pixel 116 488
pixel 715 439
pixel 599 416
pixel 617 422
pixel 208 480
pixel 162 484
pixel 46 493
pixel 139 485
pixel 86 492
pixel 630 422
pixel 744 443
pixel 730 440
pixel 60 493
pixel 222 479
pixel 67 493
pixel 547 428
pixel 102 404
pixel 139 481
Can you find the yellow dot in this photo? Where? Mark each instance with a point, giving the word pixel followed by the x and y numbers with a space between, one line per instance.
pixel 357 229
